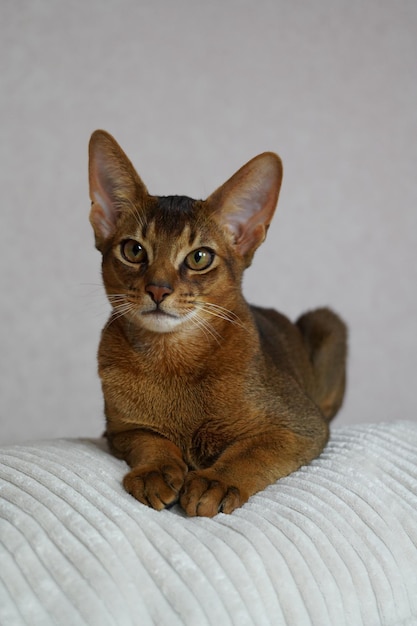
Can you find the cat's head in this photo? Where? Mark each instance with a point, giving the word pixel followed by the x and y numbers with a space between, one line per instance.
pixel 171 262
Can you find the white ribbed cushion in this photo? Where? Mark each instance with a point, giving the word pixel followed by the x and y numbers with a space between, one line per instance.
pixel 333 544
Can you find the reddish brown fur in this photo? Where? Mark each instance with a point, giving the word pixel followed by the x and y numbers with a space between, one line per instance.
pixel 218 406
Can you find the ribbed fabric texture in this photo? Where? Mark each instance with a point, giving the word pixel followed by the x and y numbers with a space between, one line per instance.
pixel 333 544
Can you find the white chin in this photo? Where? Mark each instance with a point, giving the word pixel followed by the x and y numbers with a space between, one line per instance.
pixel 160 323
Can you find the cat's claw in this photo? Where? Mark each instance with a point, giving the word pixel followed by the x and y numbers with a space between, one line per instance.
pixel 158 488
pixel 207 496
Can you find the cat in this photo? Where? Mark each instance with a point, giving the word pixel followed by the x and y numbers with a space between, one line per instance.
pixel 207 399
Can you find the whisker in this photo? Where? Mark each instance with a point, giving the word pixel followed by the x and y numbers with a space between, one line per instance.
pixel 94 290
pixel 227 312
pixel 98 303
pixel 119 310
pixel 207 329
pixel 219 308
pixel 117 297
pixel 123 307
pixel 119 302
pixel 221 312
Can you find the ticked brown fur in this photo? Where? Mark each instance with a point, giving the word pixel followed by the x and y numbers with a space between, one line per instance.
pixel 207 399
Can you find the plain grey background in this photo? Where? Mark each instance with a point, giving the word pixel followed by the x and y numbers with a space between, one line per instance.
pixel 192 90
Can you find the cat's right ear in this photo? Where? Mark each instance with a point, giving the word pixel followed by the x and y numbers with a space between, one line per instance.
pixel 245 204
pixel 114 184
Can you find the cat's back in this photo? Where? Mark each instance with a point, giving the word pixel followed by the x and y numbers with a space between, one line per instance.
pixel 282 342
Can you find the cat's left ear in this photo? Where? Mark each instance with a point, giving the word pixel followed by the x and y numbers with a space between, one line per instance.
pixel 114 185
pixel 245 204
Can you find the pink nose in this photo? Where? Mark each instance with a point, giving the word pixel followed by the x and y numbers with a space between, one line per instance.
pixel 158 292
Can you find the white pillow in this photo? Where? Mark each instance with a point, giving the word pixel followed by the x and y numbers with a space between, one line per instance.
pixel 332 544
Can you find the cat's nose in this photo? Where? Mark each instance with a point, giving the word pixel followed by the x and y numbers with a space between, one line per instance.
pixel 158 292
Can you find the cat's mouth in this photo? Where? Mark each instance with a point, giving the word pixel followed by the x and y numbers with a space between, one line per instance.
pixel 159 313
pixel 160 321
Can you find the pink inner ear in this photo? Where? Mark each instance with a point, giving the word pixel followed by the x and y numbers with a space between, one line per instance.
pixel 249 201
pixel 248 234
pixel 104 174
pixel 102 217
pixel 113 183
pixel 250 239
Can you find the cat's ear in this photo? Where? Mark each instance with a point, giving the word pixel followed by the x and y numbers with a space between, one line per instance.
pixel 245 204
pixel 114 184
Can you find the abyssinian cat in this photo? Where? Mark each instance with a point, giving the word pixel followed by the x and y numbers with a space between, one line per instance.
pixel 207 399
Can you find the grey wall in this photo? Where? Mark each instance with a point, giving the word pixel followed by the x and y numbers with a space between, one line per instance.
pixel 192 90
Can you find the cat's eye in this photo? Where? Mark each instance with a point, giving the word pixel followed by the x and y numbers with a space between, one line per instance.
pixel 200 259
pixel 132 251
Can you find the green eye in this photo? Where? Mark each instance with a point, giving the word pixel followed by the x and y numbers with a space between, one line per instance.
pixel 132 251
pixel 199 259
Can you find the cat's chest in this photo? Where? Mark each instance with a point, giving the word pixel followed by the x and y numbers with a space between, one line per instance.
pixel 198 415
pixel 200 407
pixel 176 405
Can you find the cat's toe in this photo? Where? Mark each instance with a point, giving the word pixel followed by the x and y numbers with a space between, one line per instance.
pixel 158 487
pixel 206 497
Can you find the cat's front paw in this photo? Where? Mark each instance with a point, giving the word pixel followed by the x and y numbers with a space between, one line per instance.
pixel 158 487
pixel 205 494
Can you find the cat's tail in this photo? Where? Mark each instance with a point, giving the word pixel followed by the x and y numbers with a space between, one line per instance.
pixel 325 338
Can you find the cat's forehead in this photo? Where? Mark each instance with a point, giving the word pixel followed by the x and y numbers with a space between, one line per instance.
pixel 170 218
pixel 172 215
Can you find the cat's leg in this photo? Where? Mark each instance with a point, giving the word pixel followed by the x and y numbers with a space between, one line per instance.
pixel 246 467
pixel 158 469
pixel 325 338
